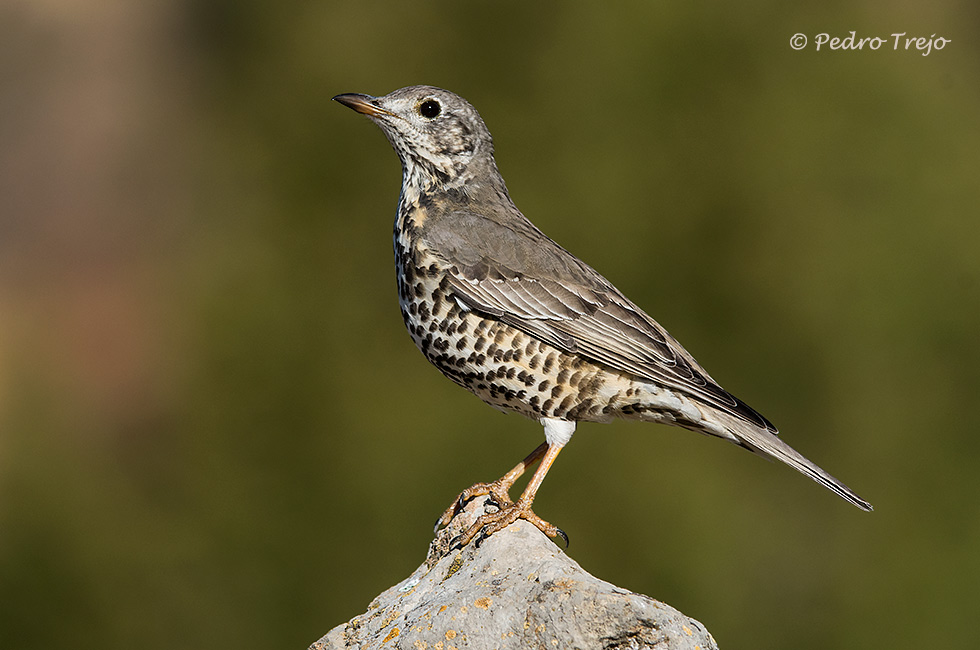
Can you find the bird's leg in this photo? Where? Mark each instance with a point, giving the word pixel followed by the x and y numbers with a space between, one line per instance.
pixel 489 524
pixel 498 490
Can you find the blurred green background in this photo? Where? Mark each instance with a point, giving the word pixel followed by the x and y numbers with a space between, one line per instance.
pixel 214 429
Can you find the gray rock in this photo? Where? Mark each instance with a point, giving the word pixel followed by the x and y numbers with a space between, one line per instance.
pixel 515 590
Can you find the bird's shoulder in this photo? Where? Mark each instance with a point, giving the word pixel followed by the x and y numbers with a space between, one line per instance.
pixel 493 240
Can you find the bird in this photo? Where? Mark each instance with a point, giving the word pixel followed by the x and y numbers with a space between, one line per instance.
pixel 504 311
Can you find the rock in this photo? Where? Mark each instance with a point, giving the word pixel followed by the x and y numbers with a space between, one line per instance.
pixel 515 590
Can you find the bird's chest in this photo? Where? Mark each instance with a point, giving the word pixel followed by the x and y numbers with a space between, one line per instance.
pixel 429 311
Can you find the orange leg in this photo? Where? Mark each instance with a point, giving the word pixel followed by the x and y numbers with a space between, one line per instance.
pixel 509 511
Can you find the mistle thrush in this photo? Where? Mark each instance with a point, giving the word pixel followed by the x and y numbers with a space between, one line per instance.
pixel 508 314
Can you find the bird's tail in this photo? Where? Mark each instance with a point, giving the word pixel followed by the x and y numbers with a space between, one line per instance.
pixel 655 404
pixel 766 443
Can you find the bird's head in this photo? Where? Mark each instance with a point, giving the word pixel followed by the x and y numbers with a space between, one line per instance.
pixel 439 136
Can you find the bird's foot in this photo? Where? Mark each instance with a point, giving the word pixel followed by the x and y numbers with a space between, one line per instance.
pixel 497 491
pixel 488 524
pixel 508 511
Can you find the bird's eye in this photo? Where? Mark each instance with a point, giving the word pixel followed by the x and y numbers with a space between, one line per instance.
pixel 429 108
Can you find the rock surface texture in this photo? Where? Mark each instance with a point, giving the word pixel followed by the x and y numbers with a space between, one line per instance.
pixel 515 590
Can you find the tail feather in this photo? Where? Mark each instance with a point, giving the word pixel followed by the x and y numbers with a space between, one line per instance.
pixel 765 443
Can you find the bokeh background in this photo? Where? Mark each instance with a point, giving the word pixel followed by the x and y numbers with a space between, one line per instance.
pixel 215 432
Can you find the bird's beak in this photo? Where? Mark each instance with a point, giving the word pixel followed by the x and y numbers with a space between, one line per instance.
pixel 363 104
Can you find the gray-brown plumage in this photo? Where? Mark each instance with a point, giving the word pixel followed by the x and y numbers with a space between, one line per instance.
pixel 510 315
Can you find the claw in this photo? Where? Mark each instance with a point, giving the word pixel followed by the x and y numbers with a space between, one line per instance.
pixel 564 537
pixel 480 537
pixel 456 507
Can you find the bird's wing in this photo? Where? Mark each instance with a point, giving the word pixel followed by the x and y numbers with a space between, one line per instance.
pixel 512 271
